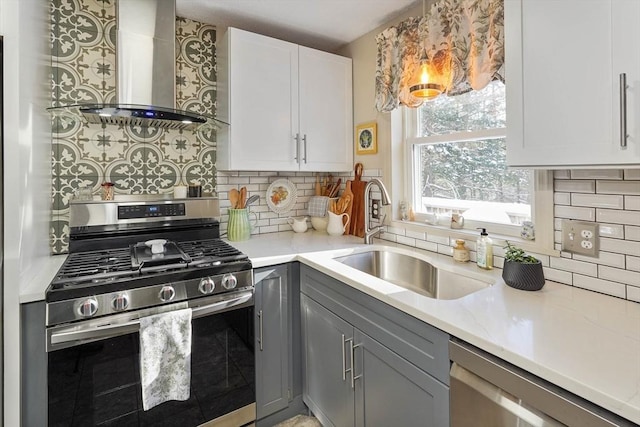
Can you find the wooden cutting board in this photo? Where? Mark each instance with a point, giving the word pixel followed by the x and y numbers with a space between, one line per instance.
pixel 356 225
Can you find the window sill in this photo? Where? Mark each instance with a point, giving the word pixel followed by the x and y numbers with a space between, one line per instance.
pixel 472 235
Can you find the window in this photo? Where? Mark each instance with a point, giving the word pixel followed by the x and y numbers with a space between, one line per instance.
pixel 456 146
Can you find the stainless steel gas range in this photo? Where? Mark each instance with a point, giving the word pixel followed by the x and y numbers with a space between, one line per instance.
pixel 135 258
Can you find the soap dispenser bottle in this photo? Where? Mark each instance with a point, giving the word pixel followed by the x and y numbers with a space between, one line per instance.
pixel 484 250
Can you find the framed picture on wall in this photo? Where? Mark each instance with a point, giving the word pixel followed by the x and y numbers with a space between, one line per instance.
pixel 367 138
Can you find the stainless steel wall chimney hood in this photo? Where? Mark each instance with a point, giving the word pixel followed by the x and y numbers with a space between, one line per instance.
pixel 145 79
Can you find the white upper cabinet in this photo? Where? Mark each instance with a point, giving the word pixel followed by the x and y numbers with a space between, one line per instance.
pixel 290 107
pixel 565 100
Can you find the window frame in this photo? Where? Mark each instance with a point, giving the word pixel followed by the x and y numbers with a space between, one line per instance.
pixel 541 202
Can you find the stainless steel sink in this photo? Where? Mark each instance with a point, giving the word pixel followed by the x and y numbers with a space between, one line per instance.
pixel 413 274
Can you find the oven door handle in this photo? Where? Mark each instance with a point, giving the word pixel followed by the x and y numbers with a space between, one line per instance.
pixel 112 330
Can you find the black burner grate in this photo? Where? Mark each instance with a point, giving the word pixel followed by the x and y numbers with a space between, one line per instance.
pixel 103 266
pixel 211 250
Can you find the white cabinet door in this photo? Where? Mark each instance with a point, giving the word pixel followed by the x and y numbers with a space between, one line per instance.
pixel 564 59
pixel 326 111
pixel 258 95
pixel 290 107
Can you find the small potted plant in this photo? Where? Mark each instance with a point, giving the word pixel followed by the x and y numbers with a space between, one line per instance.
pixel 522 271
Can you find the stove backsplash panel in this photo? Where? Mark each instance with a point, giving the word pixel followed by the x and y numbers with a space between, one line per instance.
pixel 138 160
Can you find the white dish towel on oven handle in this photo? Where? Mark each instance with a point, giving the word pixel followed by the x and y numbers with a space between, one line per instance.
pixel 165 357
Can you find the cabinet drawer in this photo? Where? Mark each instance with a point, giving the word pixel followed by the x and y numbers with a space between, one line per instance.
pixel 412 339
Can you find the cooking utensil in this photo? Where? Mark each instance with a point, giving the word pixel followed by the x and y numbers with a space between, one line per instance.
pixel 243 198
pixel 356 226
pixel 335 188
pixel 234 197
pixel 318 189
pixel 251 200
pixel 348 195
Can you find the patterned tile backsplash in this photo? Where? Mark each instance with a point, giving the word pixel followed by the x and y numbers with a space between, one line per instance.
pixel 138 160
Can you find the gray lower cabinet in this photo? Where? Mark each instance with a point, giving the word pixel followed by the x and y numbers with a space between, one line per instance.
pixel 272 343
pixel 366 363
pixel 326 385
pixel 277 344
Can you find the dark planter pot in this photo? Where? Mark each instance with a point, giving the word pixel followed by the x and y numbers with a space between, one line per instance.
pixel 527 277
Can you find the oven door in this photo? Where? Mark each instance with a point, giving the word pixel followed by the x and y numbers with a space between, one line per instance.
pixel 94 369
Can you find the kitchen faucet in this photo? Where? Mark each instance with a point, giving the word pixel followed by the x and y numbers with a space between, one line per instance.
pixel 370 232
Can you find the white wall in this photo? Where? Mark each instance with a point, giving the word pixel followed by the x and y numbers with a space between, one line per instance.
pixel 27 171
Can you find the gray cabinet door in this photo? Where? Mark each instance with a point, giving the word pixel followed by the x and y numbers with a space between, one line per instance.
pixel 326 381
pixel 390 391
pixel 272 340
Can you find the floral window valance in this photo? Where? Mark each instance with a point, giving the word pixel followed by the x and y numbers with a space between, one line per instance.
pixel 464 41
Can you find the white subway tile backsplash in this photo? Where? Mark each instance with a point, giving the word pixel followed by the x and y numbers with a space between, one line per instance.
pixel 615 231
pixel 604 258
pixel 626 247
pixel 582 267
pixel 419 235
pixel 633 293
pixel 557 223
pixel 633 263
pixel 443 240
pixel 239 180
pixel 562 198
pixel 560 276
pixel 429 246
pixel 632 233
pixel 610 201
pixel 445 250
pixel 596 174
pixel 632 174
pixel 396 230
pixel 599 285
pixel 269 229
pixel 406 241
pixel 575 186
pixel 618 216
pixel 585 214
pixel 562 174
pixel 632 203
pixel 618 187
pixel 388 236
pixel 618 275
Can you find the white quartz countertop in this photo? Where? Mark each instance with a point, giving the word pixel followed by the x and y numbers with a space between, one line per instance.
pixel 585 342
pixel 582 341
pixel 35 288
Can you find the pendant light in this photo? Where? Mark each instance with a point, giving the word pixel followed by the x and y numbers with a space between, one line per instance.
pixel 422 87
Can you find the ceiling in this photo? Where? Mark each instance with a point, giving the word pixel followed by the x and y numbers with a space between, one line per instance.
pixel 321 24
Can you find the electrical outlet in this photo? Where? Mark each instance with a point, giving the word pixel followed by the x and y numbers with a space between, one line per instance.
pixel 375 208
pixel 580 237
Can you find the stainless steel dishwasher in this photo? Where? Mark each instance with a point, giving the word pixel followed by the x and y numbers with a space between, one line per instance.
pixel 489 392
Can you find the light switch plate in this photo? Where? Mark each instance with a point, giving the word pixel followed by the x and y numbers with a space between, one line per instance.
pixel 580 237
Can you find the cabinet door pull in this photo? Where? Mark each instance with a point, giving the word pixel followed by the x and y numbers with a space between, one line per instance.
pixel 260 328
pixel 304 141
pixel 344 357
pixel 623 110
pixel 353 368
pixel 297 138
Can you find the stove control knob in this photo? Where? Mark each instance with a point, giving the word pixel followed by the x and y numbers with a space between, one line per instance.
pixel 207 286
pixel 120 302
pixel 229 281
pixel 88 307
pixel 167 293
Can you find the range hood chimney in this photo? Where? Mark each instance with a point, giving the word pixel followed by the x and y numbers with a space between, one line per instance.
pixel 145 62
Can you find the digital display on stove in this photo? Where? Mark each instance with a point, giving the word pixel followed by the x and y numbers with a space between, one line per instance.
pixel 151 211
